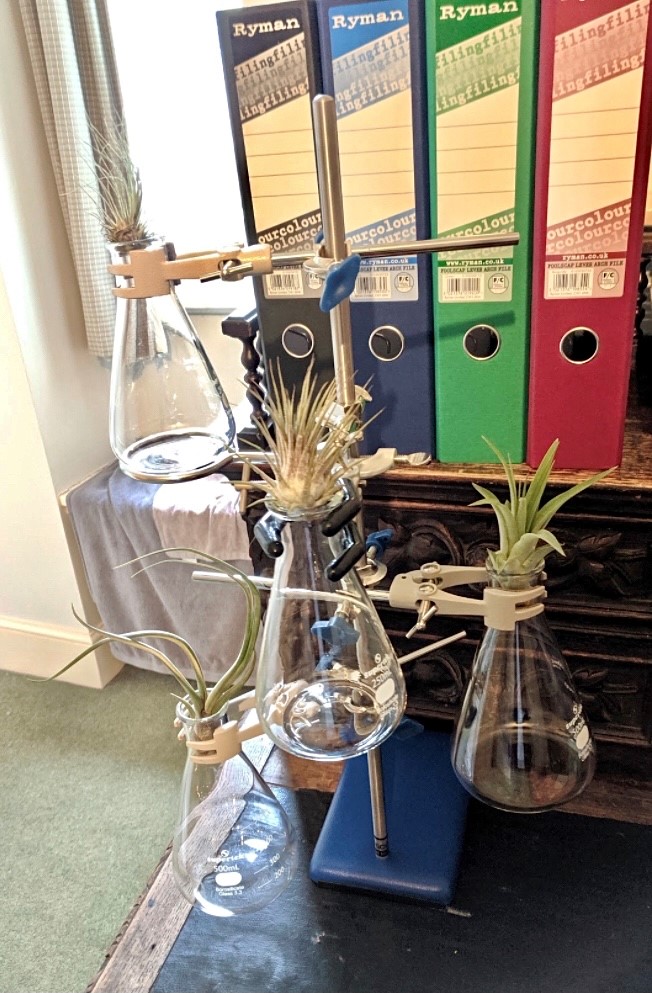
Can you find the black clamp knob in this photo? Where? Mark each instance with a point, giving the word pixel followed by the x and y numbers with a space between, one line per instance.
pixel 268 534
pixel 345 561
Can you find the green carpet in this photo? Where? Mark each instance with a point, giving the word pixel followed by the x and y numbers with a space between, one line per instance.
pixel 89 783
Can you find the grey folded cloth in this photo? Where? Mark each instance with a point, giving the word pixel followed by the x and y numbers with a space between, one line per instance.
pixel 202 513
pixel 113 519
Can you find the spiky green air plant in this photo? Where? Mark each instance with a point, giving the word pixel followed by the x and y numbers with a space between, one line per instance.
pixel 525 540
pixel 120 189
pixel 307 451
pixel 201 700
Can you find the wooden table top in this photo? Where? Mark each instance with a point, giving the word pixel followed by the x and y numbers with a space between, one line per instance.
pixel 143 944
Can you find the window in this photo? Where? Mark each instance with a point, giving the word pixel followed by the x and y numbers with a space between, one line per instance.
pixel 168 57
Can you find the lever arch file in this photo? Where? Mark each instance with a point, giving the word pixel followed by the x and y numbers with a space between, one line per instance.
pixel 595 115
pixel 481 64
pixel 272 75
pixel 372 64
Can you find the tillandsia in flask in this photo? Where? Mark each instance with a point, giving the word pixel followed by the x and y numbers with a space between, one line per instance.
pixel 169 418
pixel 234 848
pixel 522 741
pixel 329 685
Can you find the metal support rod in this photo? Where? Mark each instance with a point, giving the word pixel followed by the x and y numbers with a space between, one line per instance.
pixel 426 247
pixel 332 215
pixel 377 791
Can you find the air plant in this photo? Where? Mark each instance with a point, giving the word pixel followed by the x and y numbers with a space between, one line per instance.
pixel 120 188
pixel 525 540
pixel 308 445
pixel 200 700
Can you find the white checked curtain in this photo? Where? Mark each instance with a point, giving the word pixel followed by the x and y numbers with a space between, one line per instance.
pixel 74 67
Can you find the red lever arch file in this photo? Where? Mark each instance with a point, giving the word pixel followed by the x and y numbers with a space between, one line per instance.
pixel 593 151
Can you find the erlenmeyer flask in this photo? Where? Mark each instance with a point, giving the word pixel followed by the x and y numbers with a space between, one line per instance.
pixel 329 685
pixel 234 847
pixel 169 418
pixel 522 742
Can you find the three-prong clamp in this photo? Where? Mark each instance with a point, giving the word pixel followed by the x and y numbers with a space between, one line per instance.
pixel 426 590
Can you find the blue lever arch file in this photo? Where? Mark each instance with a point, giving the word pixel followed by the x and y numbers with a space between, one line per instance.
pixel 372 64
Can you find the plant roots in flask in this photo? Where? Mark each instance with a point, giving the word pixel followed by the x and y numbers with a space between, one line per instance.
pixel 527 769
pixel 522 742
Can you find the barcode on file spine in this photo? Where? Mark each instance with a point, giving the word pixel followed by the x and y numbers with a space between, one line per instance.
pixel 285 283
pixel 372 285
pixel 462 288
pixel 570 282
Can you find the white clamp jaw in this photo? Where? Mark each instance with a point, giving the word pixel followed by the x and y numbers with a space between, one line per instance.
pixel 425 589
pixel 227 738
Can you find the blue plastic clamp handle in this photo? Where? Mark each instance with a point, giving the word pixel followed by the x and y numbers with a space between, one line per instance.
pixel 339 283
pixel 380 541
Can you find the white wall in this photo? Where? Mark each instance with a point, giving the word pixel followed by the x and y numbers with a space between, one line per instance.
pixel 54 394
pixel 69 387
pixel 54 402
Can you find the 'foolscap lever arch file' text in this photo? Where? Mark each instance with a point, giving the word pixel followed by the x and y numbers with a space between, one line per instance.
pixel 272 75
pixel 372 63
pixel 481 63
pixel 595 115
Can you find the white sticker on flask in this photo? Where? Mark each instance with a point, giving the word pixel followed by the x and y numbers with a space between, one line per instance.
pixel 579 729
pixel 385 691
pixel 228 878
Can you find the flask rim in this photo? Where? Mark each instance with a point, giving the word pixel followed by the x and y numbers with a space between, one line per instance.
pixel 303 514
pixel 510 580
pixel 188 721
pixel 133 245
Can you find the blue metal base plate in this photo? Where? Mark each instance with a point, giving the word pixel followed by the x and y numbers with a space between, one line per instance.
pixel 426 815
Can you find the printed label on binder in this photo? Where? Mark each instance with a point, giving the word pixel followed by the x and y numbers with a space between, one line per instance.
pixel 477 94
pixel 370 46
pixel 394 279
pixel 596 94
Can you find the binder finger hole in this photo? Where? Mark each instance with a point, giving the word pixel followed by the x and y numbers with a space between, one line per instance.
pixel 481 342
pixel 579 345
pixel 386 343
pixel 298 341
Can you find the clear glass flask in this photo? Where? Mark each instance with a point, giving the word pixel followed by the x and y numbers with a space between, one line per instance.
pixel 169 418
pixel 234 848
pixel 522 741
pixel 329 685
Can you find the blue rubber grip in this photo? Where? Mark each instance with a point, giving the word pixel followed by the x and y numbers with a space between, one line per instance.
pixel 339 283
pixel 380 541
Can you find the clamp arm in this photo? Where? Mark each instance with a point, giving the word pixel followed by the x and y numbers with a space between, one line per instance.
pixel 151 270
pixel 426 589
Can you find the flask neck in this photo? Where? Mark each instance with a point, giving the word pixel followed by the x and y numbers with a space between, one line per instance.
pixel 198 728
pixel 513 581
pixel 157 248
pixel 121 250
pixel 307 552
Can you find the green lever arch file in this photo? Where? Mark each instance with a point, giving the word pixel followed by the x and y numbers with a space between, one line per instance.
pixel 481 67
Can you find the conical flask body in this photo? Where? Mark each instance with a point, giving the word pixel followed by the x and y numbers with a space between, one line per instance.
pixel 169 417
pixel 522 741
pixel 329 685
pixel 234 848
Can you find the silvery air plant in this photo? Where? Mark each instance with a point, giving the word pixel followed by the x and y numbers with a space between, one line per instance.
pixel 234 847
pixel 329 685
pixel 522 741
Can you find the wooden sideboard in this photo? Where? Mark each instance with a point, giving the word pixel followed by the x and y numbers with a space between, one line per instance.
pixel 599 594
